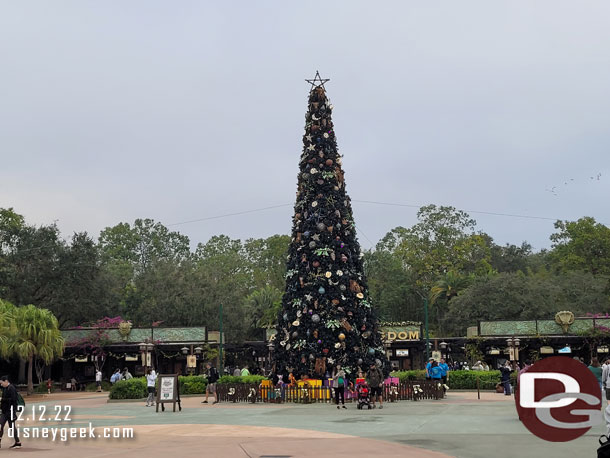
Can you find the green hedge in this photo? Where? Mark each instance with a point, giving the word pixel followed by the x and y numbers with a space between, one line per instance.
pixel 192 384
pixel 409 375
pixel 246 379
pixel 136 388
pixel 461 380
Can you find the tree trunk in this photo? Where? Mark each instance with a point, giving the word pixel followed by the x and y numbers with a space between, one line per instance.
pixel 30 378
pixel 21 378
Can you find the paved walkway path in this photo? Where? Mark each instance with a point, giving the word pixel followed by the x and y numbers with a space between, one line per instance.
pixel 459 426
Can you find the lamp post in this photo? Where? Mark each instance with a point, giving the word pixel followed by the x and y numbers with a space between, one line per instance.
pixel 191 366
pixel 198 352
pixel 146 349
pixel 220 358
pixel 443 346
pixel 425 298
pixel 513 349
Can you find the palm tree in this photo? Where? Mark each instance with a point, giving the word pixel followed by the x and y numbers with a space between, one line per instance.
pixel 264 304
pixel 447 287
pixel 38 338
pixel 7 327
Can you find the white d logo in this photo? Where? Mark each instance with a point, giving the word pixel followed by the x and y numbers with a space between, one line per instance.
pixel 527 387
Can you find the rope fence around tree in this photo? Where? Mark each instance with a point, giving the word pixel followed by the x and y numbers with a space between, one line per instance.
pixel 411 390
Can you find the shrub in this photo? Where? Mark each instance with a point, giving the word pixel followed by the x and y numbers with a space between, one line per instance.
pixel 247 379
pixel 464 380
pixel 42 388
pixel 468 379
pixel 106 386
pixel 192 384
pixel 134 388
pixel 409 375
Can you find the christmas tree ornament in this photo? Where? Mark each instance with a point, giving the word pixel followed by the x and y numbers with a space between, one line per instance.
pixel 321 290
pixel 341 336
pixel 296 323
pixel 360 296
pixel 337 345
pixel 315 318
pixel 328 274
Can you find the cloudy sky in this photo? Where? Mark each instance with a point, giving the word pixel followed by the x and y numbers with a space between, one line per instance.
pixel 179 111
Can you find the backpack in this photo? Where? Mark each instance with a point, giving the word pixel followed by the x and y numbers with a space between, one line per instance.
pixel 604 450
pixel 20 400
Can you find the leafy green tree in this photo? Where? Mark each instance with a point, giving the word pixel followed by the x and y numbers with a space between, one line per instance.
pixel 141 244
pixel 510 258
pixel 582 245
pixel 263 306
pixel 37 338
pixel 7 327
pixel 392 288
pixel 267 258
pixel 442 240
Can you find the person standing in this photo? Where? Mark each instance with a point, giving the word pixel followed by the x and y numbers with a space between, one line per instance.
pixel 428 366
pixel 8 409
pixel 126 375
pixel 49 385
pixel 436 373
pixel 339 383
pixel 211 386
pixel 245 372
pixel 98 380
pixel 506 370
pixel 597 370
pixel 374 378
pixel 237 372
pixel 116 376
pixel 444 367
pixel 151 379
pixel 606 379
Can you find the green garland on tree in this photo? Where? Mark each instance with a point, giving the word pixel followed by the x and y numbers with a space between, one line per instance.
pixel 326 316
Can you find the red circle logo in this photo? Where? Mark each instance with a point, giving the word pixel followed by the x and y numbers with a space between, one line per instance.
pixel 559 399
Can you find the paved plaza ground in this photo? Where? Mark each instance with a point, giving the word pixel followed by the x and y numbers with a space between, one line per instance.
pixel 460 426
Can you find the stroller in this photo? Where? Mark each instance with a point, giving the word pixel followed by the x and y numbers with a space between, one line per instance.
pixel 364 396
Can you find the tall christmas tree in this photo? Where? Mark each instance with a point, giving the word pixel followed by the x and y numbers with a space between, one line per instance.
pixel 326 316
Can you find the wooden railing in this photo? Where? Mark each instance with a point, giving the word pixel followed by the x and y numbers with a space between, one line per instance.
pixel 412 390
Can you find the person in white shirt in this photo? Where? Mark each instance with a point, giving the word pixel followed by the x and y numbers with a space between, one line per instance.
pixel 98 380
pixel 605 379
pixel 151 379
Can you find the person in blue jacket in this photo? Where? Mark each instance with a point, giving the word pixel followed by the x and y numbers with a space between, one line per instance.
pixel 428 366
pixel 436 372
pixel 444 370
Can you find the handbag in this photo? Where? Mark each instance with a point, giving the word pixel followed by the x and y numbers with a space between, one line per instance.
pixel 604 450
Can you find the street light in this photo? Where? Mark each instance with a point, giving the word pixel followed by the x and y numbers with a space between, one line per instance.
pixel 146 348
pixel 443 346
pixel 513 349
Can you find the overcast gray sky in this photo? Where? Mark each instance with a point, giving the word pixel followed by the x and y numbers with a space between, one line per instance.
pixel 181 110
